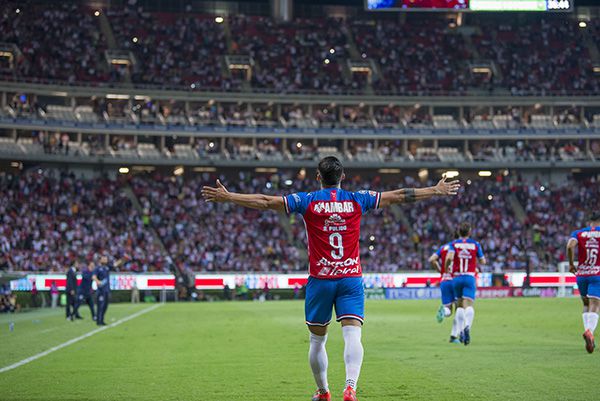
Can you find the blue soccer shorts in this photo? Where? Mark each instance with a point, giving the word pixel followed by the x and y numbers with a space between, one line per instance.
pixel 589 286
pixel 346 294
pixel 447 289
pixel 464 286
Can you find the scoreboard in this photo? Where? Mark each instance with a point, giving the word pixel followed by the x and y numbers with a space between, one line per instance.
pixel 469 5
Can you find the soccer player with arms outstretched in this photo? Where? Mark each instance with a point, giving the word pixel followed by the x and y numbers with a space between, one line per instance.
pixel 587 242
pixel 332 218
pixel 463 255
pixel 438 261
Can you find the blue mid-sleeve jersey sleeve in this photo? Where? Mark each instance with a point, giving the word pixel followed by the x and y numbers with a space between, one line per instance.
pixel 296 203
pixel 479 251
pixel 368 200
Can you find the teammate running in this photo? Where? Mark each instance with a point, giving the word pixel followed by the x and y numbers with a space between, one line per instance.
pixel 438 261
pixel 332 218
pixel 587 242
pixel 462 257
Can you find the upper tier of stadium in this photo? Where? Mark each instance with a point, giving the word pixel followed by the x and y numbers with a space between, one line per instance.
pixel 361 53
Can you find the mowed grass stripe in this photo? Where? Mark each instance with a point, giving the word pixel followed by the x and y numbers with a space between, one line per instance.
pixel 522 349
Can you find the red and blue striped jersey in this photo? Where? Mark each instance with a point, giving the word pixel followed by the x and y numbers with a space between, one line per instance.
pixel 588 246
pixel 332 219
pixel 442 253
pixel 466 253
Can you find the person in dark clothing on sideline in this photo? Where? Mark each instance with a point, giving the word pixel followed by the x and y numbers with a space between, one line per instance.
pixel 84 291
pixel 71 291
pixel 101 277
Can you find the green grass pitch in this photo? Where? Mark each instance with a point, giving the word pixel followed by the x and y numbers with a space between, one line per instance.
pixel 522 349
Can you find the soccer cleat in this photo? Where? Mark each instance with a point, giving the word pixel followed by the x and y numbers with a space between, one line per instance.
pixel 440 314
pixel 461 337
pixel 350 394
pixel 590 344
pixel 454 340
pixel 467 335
pixel 321 397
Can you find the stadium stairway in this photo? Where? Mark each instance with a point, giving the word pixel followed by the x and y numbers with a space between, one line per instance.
pixel 355 55
pixel 590 42
pixel 107 31
pixel 109 36
pixel 284 221
pixel 399 214
pixel 136 204
pixel 521 216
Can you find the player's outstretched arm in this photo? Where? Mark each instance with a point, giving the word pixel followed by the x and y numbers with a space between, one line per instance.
pixel 253 201
pixel 409 195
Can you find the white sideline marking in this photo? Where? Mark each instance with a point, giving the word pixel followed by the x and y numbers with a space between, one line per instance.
pixel 77 339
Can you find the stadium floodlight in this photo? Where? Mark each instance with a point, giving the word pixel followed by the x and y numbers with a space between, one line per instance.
pixel 371 247
pixel 299 145
pixel 582 24
pixel 288 182
pixel 451 174
pixel 18 10
pixel 423 174
pixel 332 50
pixel 490 197
pixel 179 170
pixel 542 188
pixel 219 20
pixel 326 61
pixel 469 182
pixel 97 13
pixel 372 238
pixel 485 173
pixel 135 39
pixel 123 170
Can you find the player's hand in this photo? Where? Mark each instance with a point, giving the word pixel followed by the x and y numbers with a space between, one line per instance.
pixel 218 194
pixel 572 269
pixel 444 187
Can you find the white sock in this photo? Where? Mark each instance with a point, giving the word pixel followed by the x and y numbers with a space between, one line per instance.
pixel 460 319
pixel 469 315
pixel 584 316
pixel 455 332
pixel 447 311
pixel 317 356
pixel 353 354
pixel 592 321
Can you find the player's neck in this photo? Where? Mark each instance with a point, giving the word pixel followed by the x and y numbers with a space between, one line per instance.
pixel 331 186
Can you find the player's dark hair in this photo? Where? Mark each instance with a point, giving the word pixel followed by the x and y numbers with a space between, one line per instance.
pixel 464 229
pixel 455 234
pixel 331 171
pixel 595 216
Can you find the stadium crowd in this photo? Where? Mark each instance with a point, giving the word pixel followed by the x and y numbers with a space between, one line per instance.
pixel 530 55
pixel 51 220
pixel 553 213
pixel 70 219
pixel 215 237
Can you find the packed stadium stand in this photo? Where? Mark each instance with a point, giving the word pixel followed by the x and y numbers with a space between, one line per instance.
pixel 423 55
pixel 116 115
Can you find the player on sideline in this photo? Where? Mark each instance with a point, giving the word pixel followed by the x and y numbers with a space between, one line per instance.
pixel 332 218
pixel 438 261
pixel 587 242
pixel 101 276
pixel 462 257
